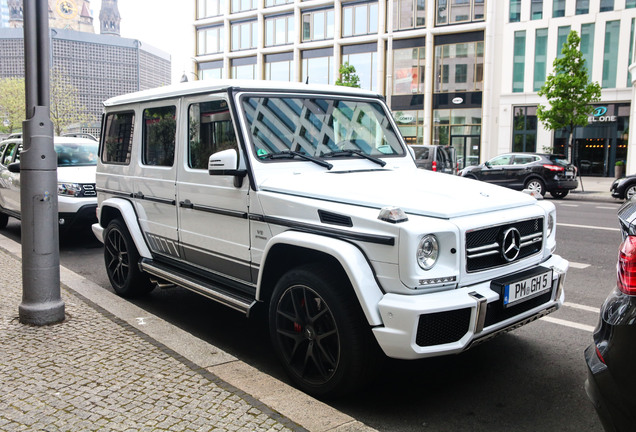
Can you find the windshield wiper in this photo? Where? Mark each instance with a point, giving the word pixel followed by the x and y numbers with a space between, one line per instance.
pixel 290 154
pixel 355 152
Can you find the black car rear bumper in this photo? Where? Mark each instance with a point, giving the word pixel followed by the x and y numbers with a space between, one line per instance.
pixel 565 184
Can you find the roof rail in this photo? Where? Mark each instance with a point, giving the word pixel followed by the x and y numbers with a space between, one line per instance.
pixel 80 135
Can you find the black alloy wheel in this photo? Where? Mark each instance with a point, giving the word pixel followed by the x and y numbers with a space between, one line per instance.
pixel 319 332
pixel 122 259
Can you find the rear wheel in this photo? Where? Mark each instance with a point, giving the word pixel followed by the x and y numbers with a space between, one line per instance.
pixel 559 194
pixel 320 333
pixel 630 192
pixel 4 220
pixel 122 262
pixel 536 184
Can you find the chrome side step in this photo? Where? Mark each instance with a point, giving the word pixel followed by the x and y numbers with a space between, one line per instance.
pixel 236 301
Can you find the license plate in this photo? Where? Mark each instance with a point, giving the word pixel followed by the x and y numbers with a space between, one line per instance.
pixel 525 289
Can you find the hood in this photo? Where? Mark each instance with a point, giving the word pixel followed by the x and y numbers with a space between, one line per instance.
pixel 76 174
pixel 416 191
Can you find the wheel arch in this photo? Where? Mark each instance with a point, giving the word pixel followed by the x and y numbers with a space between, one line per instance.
pixel 293 248
pixel 114 208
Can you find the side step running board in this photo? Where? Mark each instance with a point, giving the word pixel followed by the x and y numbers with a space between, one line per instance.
pixel 236 301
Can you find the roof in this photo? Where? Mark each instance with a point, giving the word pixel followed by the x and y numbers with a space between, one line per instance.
pixel 207 86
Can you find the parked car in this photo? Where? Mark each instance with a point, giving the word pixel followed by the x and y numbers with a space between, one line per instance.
pixel 76 165
pixel 611 358
pixel 624 188
pixel 435 158
pixel 303 200
pixel 534 171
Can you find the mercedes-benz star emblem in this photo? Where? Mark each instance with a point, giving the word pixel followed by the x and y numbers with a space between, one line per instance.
pixel 511 244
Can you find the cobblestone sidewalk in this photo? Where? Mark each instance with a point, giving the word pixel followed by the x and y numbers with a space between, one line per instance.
pixel 96 372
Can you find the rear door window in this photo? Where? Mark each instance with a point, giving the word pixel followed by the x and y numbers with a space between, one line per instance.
pixel 118 137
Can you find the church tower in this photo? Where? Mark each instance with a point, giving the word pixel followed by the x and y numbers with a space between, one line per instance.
pixel 71 15
pixel 109 18
pixel 16 18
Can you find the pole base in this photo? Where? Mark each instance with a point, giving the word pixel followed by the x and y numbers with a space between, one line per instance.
pixel 41 314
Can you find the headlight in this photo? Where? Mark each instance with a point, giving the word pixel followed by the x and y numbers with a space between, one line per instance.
pixel 427 252
pixel 551 224
pixel 69 189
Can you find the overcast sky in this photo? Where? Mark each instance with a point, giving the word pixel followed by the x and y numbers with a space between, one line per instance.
pixel 164 24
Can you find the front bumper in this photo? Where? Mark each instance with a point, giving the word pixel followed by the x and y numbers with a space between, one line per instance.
pixel 452 321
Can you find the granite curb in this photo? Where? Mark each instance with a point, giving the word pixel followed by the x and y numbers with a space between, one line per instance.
pixel 113 366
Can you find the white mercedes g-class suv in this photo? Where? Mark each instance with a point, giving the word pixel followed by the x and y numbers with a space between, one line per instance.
pixel 305 199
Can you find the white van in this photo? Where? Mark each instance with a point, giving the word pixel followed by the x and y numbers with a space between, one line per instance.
pixel 305 199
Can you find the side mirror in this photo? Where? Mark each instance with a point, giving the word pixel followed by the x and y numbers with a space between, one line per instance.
pixel 487 164
pixel 225 163
pixel 14 167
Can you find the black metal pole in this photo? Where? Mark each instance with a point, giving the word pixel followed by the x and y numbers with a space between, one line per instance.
pixel 41 300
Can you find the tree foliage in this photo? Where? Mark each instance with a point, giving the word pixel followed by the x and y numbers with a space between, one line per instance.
pixel 348 76
pixel 568 90
pixel 12 104
pixel 65 107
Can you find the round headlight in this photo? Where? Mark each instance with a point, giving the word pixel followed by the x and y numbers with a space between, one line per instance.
pixel 427 252
pixel 550 226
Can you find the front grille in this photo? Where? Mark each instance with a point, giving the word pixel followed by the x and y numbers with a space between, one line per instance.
pixel 442 327
pixel 484 246
pixel 88 190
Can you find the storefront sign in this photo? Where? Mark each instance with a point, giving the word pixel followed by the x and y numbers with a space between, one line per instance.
pixel 599 116
pixel 406 118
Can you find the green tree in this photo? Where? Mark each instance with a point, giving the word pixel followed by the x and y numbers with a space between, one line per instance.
pixel 569 92
pixel 65 106
pixel 348 76
pixel 12 104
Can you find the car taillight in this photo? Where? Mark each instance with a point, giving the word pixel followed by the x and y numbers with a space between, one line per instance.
pixel 554 167
pixel 626 267
pixel 434 165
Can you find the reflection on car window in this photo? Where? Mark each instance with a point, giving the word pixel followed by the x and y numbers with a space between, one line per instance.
pixel 210 131
pixel 76 154
pixel 500 160
pixel 8 154
pixel 318 126
pixel 522 160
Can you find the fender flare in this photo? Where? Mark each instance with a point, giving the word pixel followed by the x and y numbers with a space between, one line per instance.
pixel 128 214
pixel 352 260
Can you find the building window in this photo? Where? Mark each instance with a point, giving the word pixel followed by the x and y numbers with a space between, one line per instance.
pixel 519 61
pixel 243 5
pixel 606 5
pixel 411 125
pixel 459 67
pixel 562 39
pixel 558 8
pixel 458 11
pixel 210 8
pixel 210 40
pixel 515 11
pixel 118 137
pixel 524 130
pixel 244 35
pixel 408 70
pixel 243 68
pixel 409 14
pixel 366 65
pixel 360 19
pixel 211 70
pixel 270 3
pixel 587 45
pixel 318 25
pixel 582 7
pixel 210 131
pixel 630 54
pixel 610 54
pixel 280 67
pixel 317 69
pixel 630 4
pixel 279 30
pixel 540 57
pixel 536 9
pixel 160 129
pixel 460 128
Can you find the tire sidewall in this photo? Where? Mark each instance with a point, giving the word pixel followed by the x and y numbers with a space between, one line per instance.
pixel 540 182
pixel 135 282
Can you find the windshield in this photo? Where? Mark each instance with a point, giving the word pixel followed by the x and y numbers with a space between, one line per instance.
pixel 319 127
pixel 76 154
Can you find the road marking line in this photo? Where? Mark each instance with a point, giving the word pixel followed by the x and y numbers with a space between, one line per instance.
pixel 588 227
pixel 605 208
pixel 582 307
pixel 568 324
pixel 569 205
pixel 578 265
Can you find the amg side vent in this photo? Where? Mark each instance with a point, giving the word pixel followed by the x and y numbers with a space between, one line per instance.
pixel 334 219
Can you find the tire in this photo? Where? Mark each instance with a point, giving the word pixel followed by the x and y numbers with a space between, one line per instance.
pixel 559 194
pixel 630 192
pixel 319 332
pixel 4 220
pixel 535 184
pixel 122 259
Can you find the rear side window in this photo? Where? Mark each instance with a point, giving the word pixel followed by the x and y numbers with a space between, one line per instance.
pixel 210 131
pixel 118 135
pixel 8 154
pixel 160 128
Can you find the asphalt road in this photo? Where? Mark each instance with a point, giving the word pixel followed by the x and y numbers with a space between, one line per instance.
pixel 527 380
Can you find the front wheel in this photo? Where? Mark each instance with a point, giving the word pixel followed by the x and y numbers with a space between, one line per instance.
pixel 559 194
pixel 122 262
pixel 630 192
pixel 320 333
pixel 535 184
